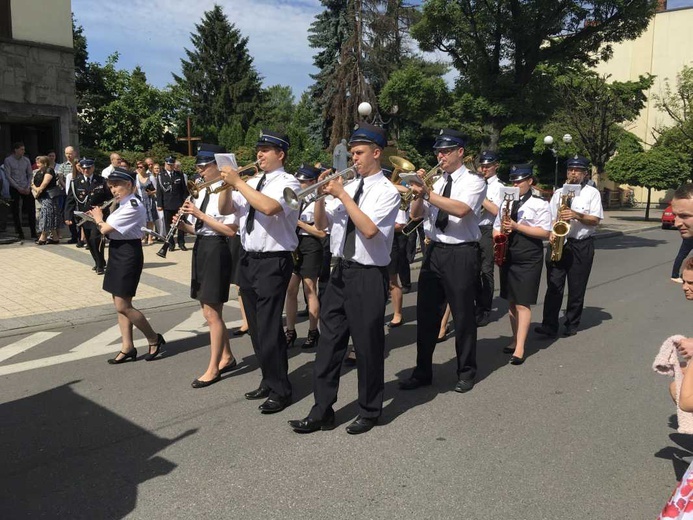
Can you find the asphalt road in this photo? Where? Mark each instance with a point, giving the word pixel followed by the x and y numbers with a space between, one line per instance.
pixel 580 431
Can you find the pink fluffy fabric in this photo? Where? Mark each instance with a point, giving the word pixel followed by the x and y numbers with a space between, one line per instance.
pixel 666 362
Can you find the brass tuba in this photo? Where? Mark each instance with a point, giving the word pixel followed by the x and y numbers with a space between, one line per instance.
pixel 561 228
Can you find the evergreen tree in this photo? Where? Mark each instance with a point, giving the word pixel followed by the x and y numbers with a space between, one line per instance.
pixel 218 82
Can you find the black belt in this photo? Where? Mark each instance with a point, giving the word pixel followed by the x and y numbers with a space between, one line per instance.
pixel 350 264
pixel 221 238
pixel 269 254
pixel 486 226
pixel 454 246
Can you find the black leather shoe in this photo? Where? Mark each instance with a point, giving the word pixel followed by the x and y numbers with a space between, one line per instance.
pixel 80 244
pixel 483 319
pixel 309 425
pixel 261 393
pixel 126 355
pixel 361 425
pixel 274 405
pixel 172 248
pixel 394 325
pixel 182 247
pixel 229 367
pixel 239 332
pixel 159 341
pixel 569 332
pixel 202 384
pixel 545 331
pixel 100 271
pixel 517 360
pixel 464 385
pixel 412 384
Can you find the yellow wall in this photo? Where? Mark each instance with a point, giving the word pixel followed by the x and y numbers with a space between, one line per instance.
pixel 43 21
pixel 662 50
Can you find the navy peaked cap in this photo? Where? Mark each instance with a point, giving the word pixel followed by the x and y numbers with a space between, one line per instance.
pixel 578 162
pixel 170 160
pixel 278 139
pixel 121 174
pixel 520 172
pixel 306 172
pixel 367 133
pixel 86 163
pixel 449 138
pixel 488 157
pixel 205 154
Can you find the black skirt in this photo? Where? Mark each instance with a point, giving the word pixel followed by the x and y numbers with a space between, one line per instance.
pixel 398 254
pixel 235 248
pixel 308 257
pixel 211 270
pixel 124 267
pixel 520 275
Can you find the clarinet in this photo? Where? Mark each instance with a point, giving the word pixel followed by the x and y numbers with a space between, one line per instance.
pixel 174 227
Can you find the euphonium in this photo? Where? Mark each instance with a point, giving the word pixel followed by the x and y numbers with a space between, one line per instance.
pixel 560 229
pixel 500 242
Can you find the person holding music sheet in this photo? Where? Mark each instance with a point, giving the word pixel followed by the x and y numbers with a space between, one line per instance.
pixel 362 217
pixel 526 225
pixel 125 262
pixel 488 165
pixel 450 269
pixel 86 191
pixel 211 263
pixel 267 226
pixel 308 264
pixel 584 215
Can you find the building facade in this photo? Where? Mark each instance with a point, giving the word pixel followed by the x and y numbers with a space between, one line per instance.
pixel 37 76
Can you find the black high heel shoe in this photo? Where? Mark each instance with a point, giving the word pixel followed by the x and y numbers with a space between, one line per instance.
pixel 312 339
pixel 126 355
pixel 159 341
pixel 291 336
pixel 517 360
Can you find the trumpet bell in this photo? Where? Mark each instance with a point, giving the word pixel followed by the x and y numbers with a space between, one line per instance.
pixel 291 198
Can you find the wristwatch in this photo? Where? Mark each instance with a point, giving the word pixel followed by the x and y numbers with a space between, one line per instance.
pixel 426 196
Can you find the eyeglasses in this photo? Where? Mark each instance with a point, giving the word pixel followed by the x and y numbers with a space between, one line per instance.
pixel 445 151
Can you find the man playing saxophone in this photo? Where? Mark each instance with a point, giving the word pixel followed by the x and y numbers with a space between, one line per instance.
pixel 584 215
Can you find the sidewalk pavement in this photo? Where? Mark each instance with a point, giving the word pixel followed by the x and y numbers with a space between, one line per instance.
pixel 53 285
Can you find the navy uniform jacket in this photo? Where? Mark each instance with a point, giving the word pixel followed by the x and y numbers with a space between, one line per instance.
pixel 171 190
pixel 83 194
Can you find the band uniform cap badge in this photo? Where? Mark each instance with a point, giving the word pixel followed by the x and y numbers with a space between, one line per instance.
pixel 356 126
pixel 133 203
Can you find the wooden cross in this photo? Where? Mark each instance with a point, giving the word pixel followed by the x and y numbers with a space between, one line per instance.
pixel 189 139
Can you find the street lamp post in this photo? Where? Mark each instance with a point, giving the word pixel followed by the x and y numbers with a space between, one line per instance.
pixel 549 141
pixel 365 109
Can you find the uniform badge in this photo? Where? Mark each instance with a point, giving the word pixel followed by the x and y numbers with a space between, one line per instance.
pixel 133 203
pixel 441 132
pixel 356 127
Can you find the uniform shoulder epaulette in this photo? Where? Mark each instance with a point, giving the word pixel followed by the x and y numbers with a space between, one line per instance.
pixel 133 203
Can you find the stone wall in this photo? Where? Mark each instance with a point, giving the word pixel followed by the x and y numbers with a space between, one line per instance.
pixel 37 83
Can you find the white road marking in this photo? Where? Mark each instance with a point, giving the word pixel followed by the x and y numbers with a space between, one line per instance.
pixel 101 344
pixel 25 344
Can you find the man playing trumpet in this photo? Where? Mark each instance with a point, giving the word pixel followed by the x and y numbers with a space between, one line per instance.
pixel 267 225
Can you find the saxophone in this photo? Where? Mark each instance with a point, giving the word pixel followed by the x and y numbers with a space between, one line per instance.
pixel 500 242
pixel 561 228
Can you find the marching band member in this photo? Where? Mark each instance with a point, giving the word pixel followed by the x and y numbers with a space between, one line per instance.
pixel 488 164
pixel 171 192
pixel 528 223
pixel 584 216
pixel 125 261
pixel 85 191
pixel 307 266
pixel 211 263
pixel 362 217
pixel 267 226
pixel 450 269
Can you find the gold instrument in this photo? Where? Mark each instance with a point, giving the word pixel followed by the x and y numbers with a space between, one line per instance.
pixel 429 178
pixel 312 192
pixel 401 165
pixel 561 228
pixel 252 166
pixel 500 242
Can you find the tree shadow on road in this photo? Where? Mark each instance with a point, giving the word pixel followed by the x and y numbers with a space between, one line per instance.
pixel 628 242
pixel 65 456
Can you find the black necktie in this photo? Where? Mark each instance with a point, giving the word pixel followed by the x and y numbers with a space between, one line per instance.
pixel 203 209
pixel 442 217
pixel 250 222
pixel 517 204
pixel 350 240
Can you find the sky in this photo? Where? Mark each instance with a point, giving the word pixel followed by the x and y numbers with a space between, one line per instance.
pixel 155 33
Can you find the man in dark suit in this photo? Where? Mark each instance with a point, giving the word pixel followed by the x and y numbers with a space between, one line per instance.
pixel 171 192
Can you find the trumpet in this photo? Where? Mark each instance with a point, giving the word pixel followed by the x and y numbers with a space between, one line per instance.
pixel 428 180
pixel 312 193
pixel 255 166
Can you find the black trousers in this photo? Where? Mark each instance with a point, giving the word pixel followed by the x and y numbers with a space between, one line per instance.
pixel 575 265
pixel 353 305
pixel 324 277
pixel 263 280
pixel 23 204
pixel 95 244
pixel 485 285
pixel 448 274
pixel 168 218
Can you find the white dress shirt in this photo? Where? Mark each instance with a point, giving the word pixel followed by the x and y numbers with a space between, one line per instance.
pixel 380 202
pixel 402 217
pixel 270 233
pixel 127 219
pixel 212 210
pixel 107 171
pixel 493 193
pixel 307 216
pixel 589 202
pixel 534 212
pixel 467 187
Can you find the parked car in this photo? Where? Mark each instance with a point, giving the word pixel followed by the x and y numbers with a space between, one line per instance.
pixel 668 218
